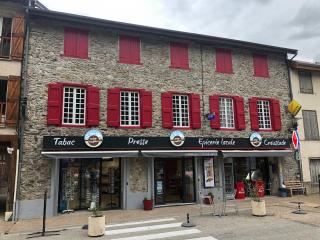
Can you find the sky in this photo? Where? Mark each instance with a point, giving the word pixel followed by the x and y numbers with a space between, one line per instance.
pixel 285 23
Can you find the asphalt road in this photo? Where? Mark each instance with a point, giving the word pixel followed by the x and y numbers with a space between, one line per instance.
pixel 240 227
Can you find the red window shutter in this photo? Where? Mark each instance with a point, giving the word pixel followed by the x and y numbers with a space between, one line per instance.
pixel 214 108
pixel 239 113
pixel 54 114
pixel 260 65
pixel 93 106
pixel 179 55
pixel 276 114
pixel 223 60
pixel 129 49
pixel 76 43
pixel 167 115
pixel 82 44
pixel 195 111
pixel 254 119
pixel 146 109
pixel 113 109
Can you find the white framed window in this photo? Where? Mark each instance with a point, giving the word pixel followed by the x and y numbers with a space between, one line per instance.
pixel 130 108
pixel 226 111
pixel 180 110
pixel 74 105
pixel 264 114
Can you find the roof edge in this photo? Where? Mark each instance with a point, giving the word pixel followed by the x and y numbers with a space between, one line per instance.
pixel 305 65
pixel 158 31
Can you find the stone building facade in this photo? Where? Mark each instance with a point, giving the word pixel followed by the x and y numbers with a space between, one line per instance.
pixel 42 165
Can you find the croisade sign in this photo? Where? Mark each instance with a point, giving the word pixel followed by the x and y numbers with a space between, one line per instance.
pixel 65 143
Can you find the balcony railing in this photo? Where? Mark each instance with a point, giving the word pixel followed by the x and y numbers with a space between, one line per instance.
pixel 2 113
pixel 5 43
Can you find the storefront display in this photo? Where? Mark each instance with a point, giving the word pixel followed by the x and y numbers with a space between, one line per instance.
pixel 87 183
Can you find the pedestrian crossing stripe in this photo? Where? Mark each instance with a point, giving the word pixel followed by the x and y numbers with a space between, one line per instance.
pixel 140 222
pixel 142 229
pixel 161 235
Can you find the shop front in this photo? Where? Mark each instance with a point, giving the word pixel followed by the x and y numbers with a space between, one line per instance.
pixel 119 172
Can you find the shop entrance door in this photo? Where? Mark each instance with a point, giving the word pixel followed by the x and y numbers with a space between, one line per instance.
pixel 174 180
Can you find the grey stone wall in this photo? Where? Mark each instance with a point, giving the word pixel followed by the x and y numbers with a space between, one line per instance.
pixel 138 175
pixel 47 65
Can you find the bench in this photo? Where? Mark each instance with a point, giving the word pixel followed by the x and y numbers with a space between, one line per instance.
pixel 295 186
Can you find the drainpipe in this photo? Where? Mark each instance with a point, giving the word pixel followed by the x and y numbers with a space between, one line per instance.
pixel 21 114
pixel 202 83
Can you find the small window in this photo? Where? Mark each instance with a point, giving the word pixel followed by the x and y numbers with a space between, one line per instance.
pixel 129 49
pixel 179 55
pixel 264 114
pixel 76 43
pixel 314 170
pixel 74 103
pixel 5 36
pixel 130 109
pixel 226 111
pixel 260 65
pixel 310 125
pixel 305 81
pixel 180 110
pixel 223 61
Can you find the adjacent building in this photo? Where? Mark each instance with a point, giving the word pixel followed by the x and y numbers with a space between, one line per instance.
pixel 305 78
pixel 119 112
pixel 12 29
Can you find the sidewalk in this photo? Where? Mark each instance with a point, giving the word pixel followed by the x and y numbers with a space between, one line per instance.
pixel 276 206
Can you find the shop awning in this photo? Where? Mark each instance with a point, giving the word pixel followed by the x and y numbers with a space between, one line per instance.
pixel 256 153
pixel 90 154
pixel 178 153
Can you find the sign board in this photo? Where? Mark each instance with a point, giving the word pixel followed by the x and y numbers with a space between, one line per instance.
pixel 295 140
pixel 294 107
pixel 77 143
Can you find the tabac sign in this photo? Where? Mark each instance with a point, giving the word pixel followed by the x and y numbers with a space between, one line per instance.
pixel 294 107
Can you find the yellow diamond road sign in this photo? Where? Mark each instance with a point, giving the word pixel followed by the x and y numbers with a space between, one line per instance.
pixel 294 107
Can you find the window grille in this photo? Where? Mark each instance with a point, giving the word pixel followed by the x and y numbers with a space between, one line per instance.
pixel 74 103
pixel 226 112
pixel 180 109
pixel 264 114
pixel 130 109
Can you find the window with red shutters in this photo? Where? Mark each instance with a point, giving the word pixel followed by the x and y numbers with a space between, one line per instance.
pixel 224 60
pixel 73 105
pixel 181 110
pixel 265 114
pixel 129 49
pixel 229 112
pixel 260 65
pixel 76 43
pixel 129 108
pixel 179 55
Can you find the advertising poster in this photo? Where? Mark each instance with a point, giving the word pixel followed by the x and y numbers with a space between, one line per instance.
pixel 208 172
